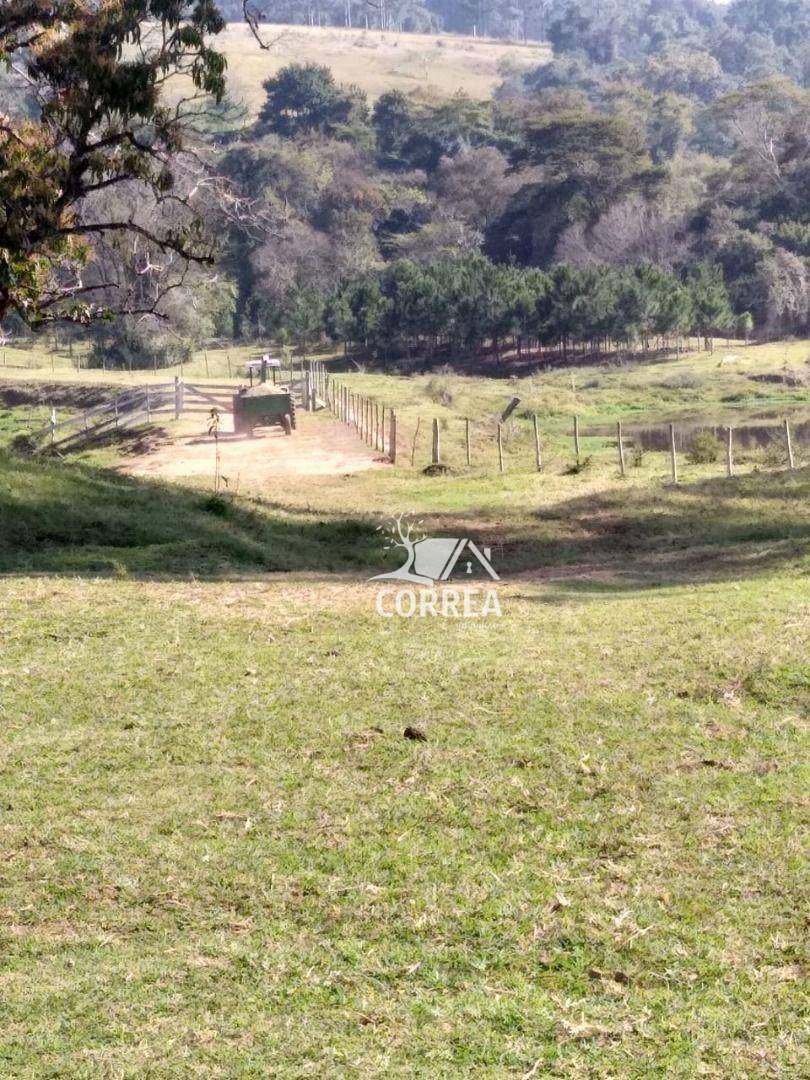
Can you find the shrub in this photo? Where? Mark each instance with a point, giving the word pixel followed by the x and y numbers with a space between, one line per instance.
pixel 439 390
pixel 681 380
pixel 130 345
pixel 579 466
pixel 704 448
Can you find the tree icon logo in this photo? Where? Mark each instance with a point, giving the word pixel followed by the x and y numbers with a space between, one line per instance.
pixel 429 559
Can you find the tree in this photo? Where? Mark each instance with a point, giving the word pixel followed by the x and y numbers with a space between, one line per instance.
pixel 582 162
pixel 745 325
pixel 597 157
pixel 98 71
pixel 304 98
pixel 417 131
pixel 709 300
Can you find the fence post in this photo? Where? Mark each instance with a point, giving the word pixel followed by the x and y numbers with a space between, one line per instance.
pixel 53 425
pixel 467 439
pixel 392 437
pixel 376 426
pixel 437 446
pixel 538 460
pixel 500 447
pixel 178 404
pixel 730 451
pixel 673 454
pixel 308 392
pixel 148 407
pixel 791 459
pixel 576 437
pixel 115 406
pixel 621 446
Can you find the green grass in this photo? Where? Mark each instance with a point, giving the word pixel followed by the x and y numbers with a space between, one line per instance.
pixel 221 857
pixel 60 517
pixel 696 387
pixel 17 422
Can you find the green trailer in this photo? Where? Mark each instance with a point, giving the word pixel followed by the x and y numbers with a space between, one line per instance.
pixel 264 405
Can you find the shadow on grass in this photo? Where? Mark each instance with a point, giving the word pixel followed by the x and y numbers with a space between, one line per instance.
pixel 59 517
pixel 643 537
pixel 711 529
pixel 73 518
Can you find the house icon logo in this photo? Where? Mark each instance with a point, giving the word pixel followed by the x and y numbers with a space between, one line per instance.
pixel 432 559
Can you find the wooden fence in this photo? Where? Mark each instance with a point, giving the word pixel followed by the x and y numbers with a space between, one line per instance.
pixel 376 424
pixel 127 409
pixel 309 385
pixel 534 452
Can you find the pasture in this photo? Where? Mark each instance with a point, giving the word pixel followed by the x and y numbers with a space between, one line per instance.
pixel 375 61
pixel 224 857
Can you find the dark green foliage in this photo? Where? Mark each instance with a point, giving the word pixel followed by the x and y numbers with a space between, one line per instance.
pixel 704 448
pixel 129 345
pixel 304 98
pixel 100 121
pixel 416 133
pixel 710 304
pixel 466 303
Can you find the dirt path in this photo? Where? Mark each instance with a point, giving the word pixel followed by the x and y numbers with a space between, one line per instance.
pixel 319 446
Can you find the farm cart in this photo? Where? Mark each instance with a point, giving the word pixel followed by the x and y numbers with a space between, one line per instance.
pixel 263 406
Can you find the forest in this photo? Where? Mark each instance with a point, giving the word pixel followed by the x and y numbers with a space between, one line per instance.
pixel 649 181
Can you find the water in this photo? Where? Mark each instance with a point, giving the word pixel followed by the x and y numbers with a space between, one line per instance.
pixel 755 433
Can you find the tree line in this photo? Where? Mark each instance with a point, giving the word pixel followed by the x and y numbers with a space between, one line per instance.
pixel 745 37
pixel 464 305
pixel 582 204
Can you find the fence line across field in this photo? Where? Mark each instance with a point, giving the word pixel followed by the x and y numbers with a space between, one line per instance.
pixel 368 417
pixel 496 437
pixel 375 423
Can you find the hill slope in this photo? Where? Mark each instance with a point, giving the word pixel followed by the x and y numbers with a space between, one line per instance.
pixel 373 60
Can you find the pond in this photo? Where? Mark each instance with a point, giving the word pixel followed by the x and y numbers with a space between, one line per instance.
pixel 752 433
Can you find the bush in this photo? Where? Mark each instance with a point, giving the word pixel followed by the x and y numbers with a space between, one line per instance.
pixel 128 345
pixel 439 390
pixel 681 380
pixel 704 448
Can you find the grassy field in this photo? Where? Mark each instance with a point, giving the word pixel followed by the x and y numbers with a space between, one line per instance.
pixel 759 385
pixel 375 61
pixel 222 857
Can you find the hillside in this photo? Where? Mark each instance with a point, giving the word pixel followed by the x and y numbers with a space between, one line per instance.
pixel 223 848
pixel 373 60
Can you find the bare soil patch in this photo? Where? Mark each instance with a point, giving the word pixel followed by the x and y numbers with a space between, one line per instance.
pixel 318 447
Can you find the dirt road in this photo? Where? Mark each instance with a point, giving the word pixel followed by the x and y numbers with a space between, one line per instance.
pixel 320 446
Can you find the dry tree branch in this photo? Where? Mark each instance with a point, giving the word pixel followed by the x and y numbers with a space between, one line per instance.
pixel 252 19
